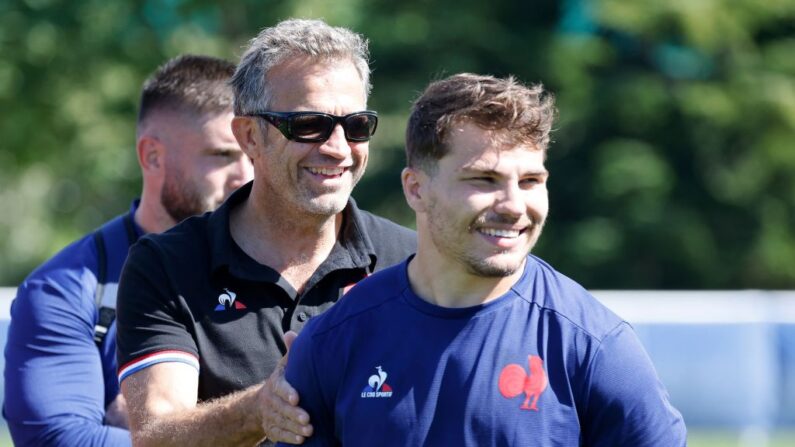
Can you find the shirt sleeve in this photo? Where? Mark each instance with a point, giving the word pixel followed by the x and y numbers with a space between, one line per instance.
pixel 301 374
pixel 151 326
pixel 54 387
pixel 627 405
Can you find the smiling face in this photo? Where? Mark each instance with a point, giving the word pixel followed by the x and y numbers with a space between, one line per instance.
pixel 483 207
pixel 315 178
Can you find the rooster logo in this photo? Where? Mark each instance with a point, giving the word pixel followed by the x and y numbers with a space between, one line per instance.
pixel 227 299
pixel 376 380
pixel 377 386
pixel 514 381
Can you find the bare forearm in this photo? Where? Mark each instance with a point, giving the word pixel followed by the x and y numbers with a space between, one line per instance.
pixel 230 420
pixel 161 400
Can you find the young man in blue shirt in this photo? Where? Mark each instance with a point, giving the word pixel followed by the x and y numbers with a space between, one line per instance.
pixel 472 341
pixel 60 374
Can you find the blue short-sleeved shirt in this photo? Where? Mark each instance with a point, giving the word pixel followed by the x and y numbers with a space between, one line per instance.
pixel 545 364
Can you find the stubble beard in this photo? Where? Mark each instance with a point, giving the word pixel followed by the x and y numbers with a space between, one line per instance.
pixel 182 199
pixel 327 203
pixel 485 267
pixel 488 269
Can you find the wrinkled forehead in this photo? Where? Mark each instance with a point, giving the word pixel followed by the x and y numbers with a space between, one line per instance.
pixel 300 81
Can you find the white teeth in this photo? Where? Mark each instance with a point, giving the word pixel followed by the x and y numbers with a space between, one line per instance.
pixel 499 233
pixel 327 171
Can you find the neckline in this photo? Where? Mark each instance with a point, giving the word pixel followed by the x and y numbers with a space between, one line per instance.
pixel 423 306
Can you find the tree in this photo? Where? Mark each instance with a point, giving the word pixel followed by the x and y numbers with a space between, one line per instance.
pixel 670 164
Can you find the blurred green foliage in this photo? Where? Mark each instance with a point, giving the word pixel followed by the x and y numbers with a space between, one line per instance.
pixel 672 163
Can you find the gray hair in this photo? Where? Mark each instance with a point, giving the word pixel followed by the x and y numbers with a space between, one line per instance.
pixel 288 39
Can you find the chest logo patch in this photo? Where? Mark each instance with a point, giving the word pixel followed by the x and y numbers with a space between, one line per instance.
pixel 377 386
pixel 515 381
pixel 228 300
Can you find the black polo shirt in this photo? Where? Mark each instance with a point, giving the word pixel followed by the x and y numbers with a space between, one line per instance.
pixel 192 295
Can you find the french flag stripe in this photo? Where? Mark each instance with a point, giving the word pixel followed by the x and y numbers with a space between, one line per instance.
pixel 155 358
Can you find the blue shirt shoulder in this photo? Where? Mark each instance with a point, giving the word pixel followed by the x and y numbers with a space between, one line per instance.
pixel 543 362
pixel 558 294
pixel 368 294
pixel 52 333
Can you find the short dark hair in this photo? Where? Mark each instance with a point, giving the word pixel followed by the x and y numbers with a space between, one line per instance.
pixel 189 83
pixel 523 114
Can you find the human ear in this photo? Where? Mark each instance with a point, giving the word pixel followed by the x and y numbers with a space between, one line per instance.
pixel 150 152
pixel 414 181
pixel 247 133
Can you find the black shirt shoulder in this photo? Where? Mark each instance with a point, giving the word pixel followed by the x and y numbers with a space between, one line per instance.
pixel 184 240
pixel 391 242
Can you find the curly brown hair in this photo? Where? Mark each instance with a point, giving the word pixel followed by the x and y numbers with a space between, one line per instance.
pixel 518 113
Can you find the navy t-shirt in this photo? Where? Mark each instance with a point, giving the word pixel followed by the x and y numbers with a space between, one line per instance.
pixel 545 364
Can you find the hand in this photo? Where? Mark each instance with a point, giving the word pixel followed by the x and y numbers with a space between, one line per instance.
pixel 116 414
pixel 282 419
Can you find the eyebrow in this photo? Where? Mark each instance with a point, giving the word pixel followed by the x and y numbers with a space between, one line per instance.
pixel 474 170
pixel 223 149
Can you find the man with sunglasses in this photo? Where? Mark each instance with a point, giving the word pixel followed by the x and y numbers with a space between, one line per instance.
pixel 205 310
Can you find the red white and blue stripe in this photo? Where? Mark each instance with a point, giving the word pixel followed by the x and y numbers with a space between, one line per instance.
pixel 157 357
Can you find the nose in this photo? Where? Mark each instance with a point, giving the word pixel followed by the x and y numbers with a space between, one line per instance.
pixel 336 146
pixel 241 172
pixel 511 201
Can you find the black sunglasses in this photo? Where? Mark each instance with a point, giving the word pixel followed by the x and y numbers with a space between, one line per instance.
pixel 316 127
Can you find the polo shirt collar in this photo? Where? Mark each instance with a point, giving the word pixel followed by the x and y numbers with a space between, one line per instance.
pixel 353 249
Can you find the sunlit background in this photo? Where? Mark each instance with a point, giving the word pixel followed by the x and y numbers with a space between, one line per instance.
pixel 673 159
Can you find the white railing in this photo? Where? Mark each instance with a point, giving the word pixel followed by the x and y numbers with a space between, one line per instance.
pixel 6 295
pixel 701 307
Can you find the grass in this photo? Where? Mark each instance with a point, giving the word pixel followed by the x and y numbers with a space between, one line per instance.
pixel 728 438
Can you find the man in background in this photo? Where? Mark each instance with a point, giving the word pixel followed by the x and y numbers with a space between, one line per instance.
pixel 474 342
pixel 204 309
pixel 61 386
